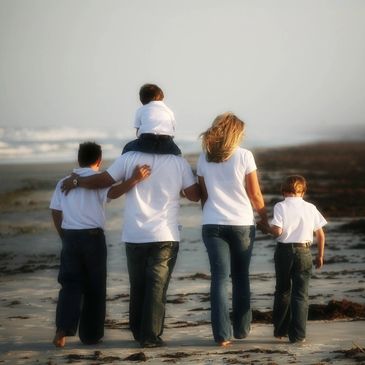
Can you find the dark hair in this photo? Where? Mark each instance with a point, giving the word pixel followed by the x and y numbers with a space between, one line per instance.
pixel 89 153
pixel 150 92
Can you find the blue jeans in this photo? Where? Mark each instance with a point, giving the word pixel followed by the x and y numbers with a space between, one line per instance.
pixel 81 300
pixel 150 267
pixel 293 267
pixel 229 250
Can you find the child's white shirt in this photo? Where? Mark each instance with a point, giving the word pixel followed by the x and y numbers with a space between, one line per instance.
pixel 298 220
pixel 156 118
pixel 81 208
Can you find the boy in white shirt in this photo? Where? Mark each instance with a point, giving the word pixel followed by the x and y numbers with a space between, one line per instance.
pixel 293 225
pixel 79 218
pixel 155 124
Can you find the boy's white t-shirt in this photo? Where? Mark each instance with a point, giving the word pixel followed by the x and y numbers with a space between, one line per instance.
pixel 81 208
pixel 298 220
pixel 151 207
pixel 156 118
pixel 228 202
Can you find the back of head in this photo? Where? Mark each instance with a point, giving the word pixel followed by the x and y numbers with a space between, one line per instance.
pixel 150 92
pixel 222 138
pixel 89 153
pixel 294 184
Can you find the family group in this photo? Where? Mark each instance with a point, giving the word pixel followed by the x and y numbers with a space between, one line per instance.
pixel 154 177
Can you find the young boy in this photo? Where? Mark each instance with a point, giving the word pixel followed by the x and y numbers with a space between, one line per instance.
pixel 155 124
pixel 293 225
pixel 79 218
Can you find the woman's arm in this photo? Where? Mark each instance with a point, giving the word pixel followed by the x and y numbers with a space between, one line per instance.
pixel 203 190
pixel 255 196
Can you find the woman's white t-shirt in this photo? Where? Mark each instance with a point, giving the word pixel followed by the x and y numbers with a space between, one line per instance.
pixel 227 203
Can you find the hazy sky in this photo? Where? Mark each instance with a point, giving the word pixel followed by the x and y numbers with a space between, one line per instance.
pixel 291 69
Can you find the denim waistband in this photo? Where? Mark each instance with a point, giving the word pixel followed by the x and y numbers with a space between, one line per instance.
pixel 86 230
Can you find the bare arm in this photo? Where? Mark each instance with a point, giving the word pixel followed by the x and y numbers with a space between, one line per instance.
pixel 203 189
pixel 96 181
pixel 320 238
pixel 57 220
pixel 193 193
pixel 140 173
pixel 255 196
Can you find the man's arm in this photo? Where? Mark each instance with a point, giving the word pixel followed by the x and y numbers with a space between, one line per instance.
pixel 57 220
pixel 203 189
pixel 193 193
pixel 96 181
pixel 140 173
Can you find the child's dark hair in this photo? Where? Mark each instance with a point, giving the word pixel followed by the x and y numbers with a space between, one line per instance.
pixel 294 184
pixel 150 92
pixel 89 153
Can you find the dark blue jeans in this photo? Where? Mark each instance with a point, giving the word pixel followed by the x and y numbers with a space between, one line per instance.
pixel 293 267
pixel 229 250
pixel 150 266
pixel 151 143
pixel 82 274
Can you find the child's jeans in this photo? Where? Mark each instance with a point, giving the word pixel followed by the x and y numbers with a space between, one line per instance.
pixel 293 267
pixel 153 143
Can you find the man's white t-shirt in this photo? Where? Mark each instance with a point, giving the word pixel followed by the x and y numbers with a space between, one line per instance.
pixel 298 220
pixel 81 208
pixel 156 118
pixel 151 206
pixel 227 203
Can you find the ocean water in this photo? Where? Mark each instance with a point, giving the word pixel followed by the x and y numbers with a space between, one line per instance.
pixel 29 145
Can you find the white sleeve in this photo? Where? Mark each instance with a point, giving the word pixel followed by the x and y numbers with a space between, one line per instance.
pixel 319 220
pixel 137 119
pixel 188 178
pixel 57 197
pixel 250 162
pixel 278 216
pixel 117 169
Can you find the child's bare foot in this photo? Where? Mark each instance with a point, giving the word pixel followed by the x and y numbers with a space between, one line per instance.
pixel 224 343
pixel 59 339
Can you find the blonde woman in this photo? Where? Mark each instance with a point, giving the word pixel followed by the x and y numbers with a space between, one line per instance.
pixel 230 190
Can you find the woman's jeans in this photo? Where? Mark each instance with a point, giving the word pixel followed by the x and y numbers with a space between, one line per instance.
pixel 229 250
pixel 150 267
pixel 82 274
pixel 293 267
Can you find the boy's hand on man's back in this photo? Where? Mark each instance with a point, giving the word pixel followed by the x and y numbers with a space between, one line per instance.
pixel 141 172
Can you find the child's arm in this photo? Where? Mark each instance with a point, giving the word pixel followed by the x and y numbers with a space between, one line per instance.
pixel 140 173
pixel 57 220
pixel 203 190
pixel 320 237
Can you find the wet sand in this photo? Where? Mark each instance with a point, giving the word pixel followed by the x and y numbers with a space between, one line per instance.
pixel 29 260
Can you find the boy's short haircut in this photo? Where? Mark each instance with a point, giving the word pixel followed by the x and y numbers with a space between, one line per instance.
pixel 150 92
pixel 294 184
pixel 89 153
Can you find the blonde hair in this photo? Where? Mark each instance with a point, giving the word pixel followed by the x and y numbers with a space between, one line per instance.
pixel 294 184
pixel 222 138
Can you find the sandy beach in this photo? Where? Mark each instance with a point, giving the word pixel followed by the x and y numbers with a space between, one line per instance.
pixel 29 261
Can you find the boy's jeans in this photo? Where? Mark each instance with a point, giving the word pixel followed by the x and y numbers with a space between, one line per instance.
pixel 83 278
pixel 229 250
pixel 150 267
pixel 293 266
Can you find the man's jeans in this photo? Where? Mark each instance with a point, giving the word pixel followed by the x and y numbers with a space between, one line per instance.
pixel 229 250
pixel 83 278
pixel 150 267
pixel 293 266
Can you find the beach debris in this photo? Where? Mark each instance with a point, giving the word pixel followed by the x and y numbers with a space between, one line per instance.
pixel 138 356
pixel 356 353
pixel 336 309
pixel 198 275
